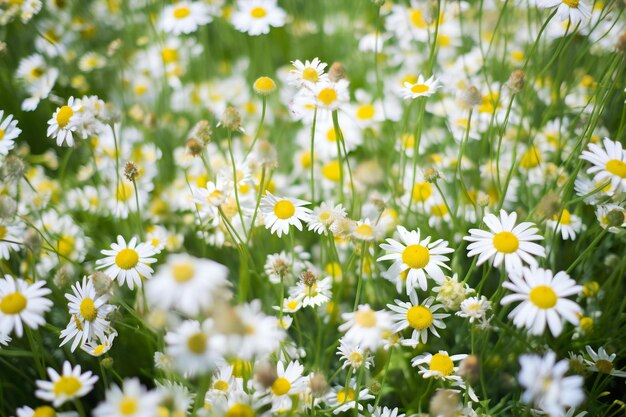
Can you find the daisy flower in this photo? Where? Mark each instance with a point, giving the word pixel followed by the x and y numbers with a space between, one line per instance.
pixel 609 163
pixel 312 292
pixel 546 385
pixel 223 383
pixel 322 217
pixel 191 348
pixel 505 242
pixel 383 411
pixel 418 256
pixel 440 365
pixel 307 74
pixel 64 122
pixel 342 399
pixel 602 362
pixel 22 304
pixel 420 317
pixel 103 344
pixel 289 382
pixel 366 327
pixel 474 308
pixel 255 17
pixel 185 17
pixel 331 95
pixel 8 132
pixel 128 262
pixel 352 355
pixel 133 399
pixel 10 233
pixel 277 265
pixel 89 312
pixel 575 10
pixel 569 224
pixel 281 212
pixel 420 88
pixel 41 411
pixel 543 299
pixel 67 386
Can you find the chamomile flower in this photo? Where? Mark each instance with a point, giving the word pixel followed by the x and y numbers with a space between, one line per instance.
pixel 568 225
pixel 366 327
pixel 419 256
pixel 8 133
pixel 10 235
pixel 352 355
pixel 131 400
pixel 383 411
pixel 22 304
pixel 440 365
pixel 312 292
pixel 289 382
pixel 602 362
pixel 223 383
pixel 543 299
pixel 420 88
pixel 420 317
pixel 67 386
pixel 609 163
pixel 474 308
pixel 41 411
pixel 128 262
pixel 277 265
pixel 576 11
pixel 505 242
pixel 185 17
pixel 282 212
pixel 64 122
pixel 331 95
pixel 191 347
pixel 342 399
pixel 101 345
pixel 322 217
pixel 307 74
pixel 255 17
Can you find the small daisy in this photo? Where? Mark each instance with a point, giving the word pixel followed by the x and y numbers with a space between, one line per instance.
pixel 307 74
pixel 505 242
pixel 64 122
pixel 364 230
pixel 41 411
pixel 223 383
pixel 190 347
pixel 383 411
pixel 8 133
pixel 609 163
pixel 366 327
pixel 281 212
pixel 420 88
pixel 602 362
pixel 611 217
pixel 277 265
pixel 418 256
pixel 331 95
pixel 441 366
pixel 352 355
pixel 420 317
pixel 543 299
pixel 323 217
pixel 342 399
pixel 185 17
pixel 128 262
pixel 255 17
pixel 132 400
pixel 569 224
pixel 312 292
pixel 575 10
pixel 69 385
pixel 101 346
pixel 289 382
pixel 9 233
pixel 475 308
pixel 22 303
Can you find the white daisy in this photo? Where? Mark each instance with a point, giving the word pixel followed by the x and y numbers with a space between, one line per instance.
pixel 602 362
pixel 322 217
pixel 128 262
pixel 342 399
pixel 22 303
pixel 308 73
pixel 383 411
pixel 132 400
pixel 420 317
pixel 543 299
pixel 191 347
pixel 312 292
pixel 101 345
pixel 475 308
pixel 185 17
pixel 64 122
pixel 10 233
pixel 568 225
pixel 255 17
pixel 440 365
pixel 505 242
pixel 8 133
pixel 352 355
pixel 576 11
pixel 418 256
pixel 70 384
pixel 281 212
pixel 420 88
pixel 331 95
pixel 289 382
pixel 609 163
pixel 366 327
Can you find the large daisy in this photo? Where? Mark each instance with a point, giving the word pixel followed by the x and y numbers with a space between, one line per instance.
pixel 255 17
pixel 22 303
pixel 576 11
pixel 609 163
pixel 417 256
pixel 70 384
pixel 128 262
pixel 308 73
pixel 185 17
pixel 505 242
pixel 281 212
pixel 420 317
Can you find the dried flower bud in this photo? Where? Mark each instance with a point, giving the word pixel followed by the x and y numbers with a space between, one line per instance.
pixel 32 240
pixel 379 204
pixel 231 119
pixel 64 275
pixel 101 282
pixel 265 374
pixel 8 207
pixel 131 171
pixel 202 132
pixel 337 72
pixel 470 97
pixel 470 368
pixel 431 175
pixel 13 169
pixel 194 147
pixel 549 206
pixel 445 403
pixel 308 277
pixel 516 81
pixel 318 384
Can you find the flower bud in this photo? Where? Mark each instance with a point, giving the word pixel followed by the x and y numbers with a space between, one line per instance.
pixel 194 147
pixel 470 97
pixel 13 169
pixel 469 368
pixel 231 119
pixel 337 72
pixel 318 383
pixel 516 81
pixel 445 403
pixel 131 171
pixel 107 362
pixel 265 374
pixel 615 218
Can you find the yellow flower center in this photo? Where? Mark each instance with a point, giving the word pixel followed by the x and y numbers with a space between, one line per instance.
pixel 1 134
pixel 355 357
pixel 566 217
pixel 197 343
pixel 604 366
pixel 64 115
pixel 66 385
pixel 292 304
pixel 44 411
pixel 66 245
pixel 327 96
pixel 421 191
pixel 439 210
pixel 181 12
pixel 3 232
pixel 127 258
pixel 264 85
pixel 616 167
pixel 258 12
pixel 240 410
pixel 344 395
pixel 88 309
pixel 281 386
pixel 419 317
pixel 416 256
pixel 331 171
pixel 417 19
pixel 37 72
pixel 13 303
pixel 441 362
pixel 365 318
pixel 310 74
pixel 305 159
pixel 125 191
pixel 128 406
pixel 419 88
pixel 284 209
pixel 99 349
pixel 531 158
pixel 365 112
pixel 220 385
pixel 571 3
pixel 331 135
pixel 364 230
pixel 543 297
pixel 505 242
pixel 169 55
pixel 183 272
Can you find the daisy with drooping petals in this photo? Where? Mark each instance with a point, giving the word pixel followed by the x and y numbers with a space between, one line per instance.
pixel 543 299
pixel 8 132
pixel 255 17
pixel 505 242
pixel 128 262
pixel 101 346
pixel 280 213
pixel 609 164
pixel 70 384
pixel 22 304
pixel 133 399
pixel 568 225
pixel 307 74
pixel 185 17
pixel 64 122
pixel 602 362
pixel 420 317
pixel 421 88
pixel 576 11
pixel 418 256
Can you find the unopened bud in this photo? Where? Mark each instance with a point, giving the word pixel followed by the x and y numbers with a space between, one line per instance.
pixel 516 81
pixel 470 368
pixel 101 282
pixel 231 119
pixel 375 387
pixel 470 97
pixel 621 42
pixel 32 240
pixel 318 384
pixel 445 403
pixel 265 374
pixel 379 203
pixel 431 175
pixel 615 218
pixel 64 276
pixel 337 72
pixel 107 362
